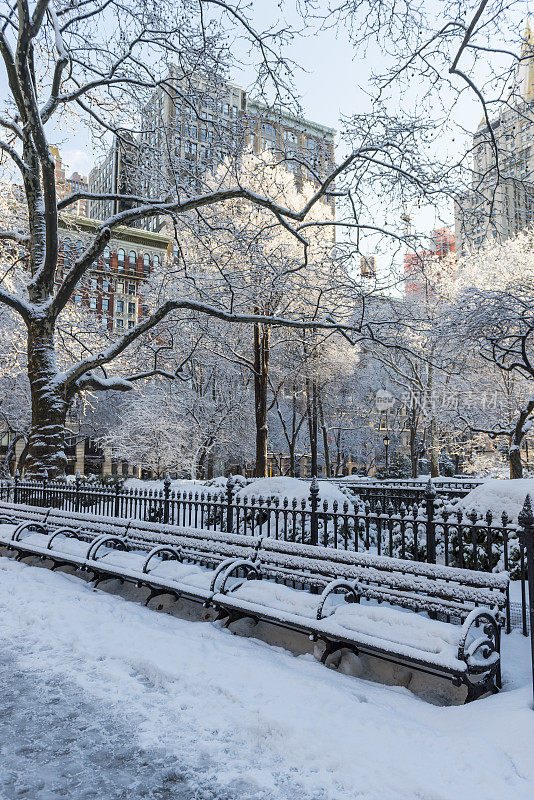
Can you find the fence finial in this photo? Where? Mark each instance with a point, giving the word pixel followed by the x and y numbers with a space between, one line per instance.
pixel 430 488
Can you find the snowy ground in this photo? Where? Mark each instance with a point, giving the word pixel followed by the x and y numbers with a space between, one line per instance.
pixel 102 698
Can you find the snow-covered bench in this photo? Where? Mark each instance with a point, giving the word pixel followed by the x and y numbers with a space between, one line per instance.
pixel 248 577
pixel 182 562
pixel 467 652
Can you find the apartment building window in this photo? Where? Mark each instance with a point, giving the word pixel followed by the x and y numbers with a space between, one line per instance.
pixel 120 287
pixel 104 323
pixel 132 258
pixel 131 288
pixel 131 323
pixel 92 303
pixel 77 299
pixel 131 308
pixel 93 284
pixel 107 254
pixel 120 306
pixel 156 261
pixel 105 304
pixel 268 129
pixel 120 257
pixel 119 323
pixel 291 136
pixel 146 263
pixel 105 286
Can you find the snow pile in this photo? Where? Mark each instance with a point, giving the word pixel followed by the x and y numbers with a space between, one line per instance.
pixel 230 717
pixel 497 496
pixel 212 486
pixel 295 488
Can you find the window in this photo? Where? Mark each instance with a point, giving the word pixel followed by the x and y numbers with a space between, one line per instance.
pixel 131 288
pixel 119 323
pixel 120 287
pixel 131 308
pixel 105 304
pixel 77 299
pixel 132 258
pixel 268 129
pixel 93 284
pixel 131 323
pixel 120 257
pixel 156 261
pixel 146 263
pixel 120 306
pixel 92 303
pixel 107 254
pixel 291 136
pixel 105 286
pixel 104 323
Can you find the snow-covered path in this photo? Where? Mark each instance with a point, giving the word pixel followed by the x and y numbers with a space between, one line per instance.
pixel 56 743
pixel 103 698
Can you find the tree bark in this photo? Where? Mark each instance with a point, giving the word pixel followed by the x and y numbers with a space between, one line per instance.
pixel 434 448
pixel 311 408
pixel 324 431
pixel 46 441
pixel 261 382
pixel 516 465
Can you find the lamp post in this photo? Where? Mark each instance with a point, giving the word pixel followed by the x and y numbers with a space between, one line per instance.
pixel 386 441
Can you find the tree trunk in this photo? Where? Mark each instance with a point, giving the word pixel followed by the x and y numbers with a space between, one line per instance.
pixel 261 382
pixel 311 408
pixel 516 465
pixel 434 448
pixel 326 449
pixel 46 441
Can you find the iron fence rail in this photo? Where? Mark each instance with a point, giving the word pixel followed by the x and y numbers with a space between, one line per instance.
pixel 418 526
pixel 422 529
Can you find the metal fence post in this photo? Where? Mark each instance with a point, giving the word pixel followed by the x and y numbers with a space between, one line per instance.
pixel 16 487
pixel 166 502
pixel 77 482
pixel 118 487
pixel 430 498
pixel 314 502
pixel 45 478
pixel 526 538
pixel 230 485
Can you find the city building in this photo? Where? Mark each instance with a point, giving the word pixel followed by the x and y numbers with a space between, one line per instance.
pixel 500 201
pixel 416 279
pixel 115 175
pixel 308 145
pixel 67 186
pixel 189 127
pixel 113 287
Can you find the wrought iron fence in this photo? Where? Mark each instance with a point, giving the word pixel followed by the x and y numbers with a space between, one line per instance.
pixel 405 491
pixel 426 529
pixel 418 526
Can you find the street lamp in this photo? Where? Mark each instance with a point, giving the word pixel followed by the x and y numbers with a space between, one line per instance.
pixel 386 441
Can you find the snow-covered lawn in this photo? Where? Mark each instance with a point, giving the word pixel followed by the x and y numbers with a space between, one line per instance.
pixel 194 712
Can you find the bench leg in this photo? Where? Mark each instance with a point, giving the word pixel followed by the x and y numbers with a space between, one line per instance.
pixel 329 650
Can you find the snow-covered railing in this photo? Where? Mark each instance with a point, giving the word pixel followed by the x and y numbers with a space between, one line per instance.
pixel 427 529
pixel 399 491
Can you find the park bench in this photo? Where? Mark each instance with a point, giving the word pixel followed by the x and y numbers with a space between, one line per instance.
pixel 454 632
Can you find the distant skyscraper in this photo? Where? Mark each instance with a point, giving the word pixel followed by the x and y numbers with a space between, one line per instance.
pixel 67 186
pixel 415 279
pixel 191 125
pixel 368 266
pixel 501 199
